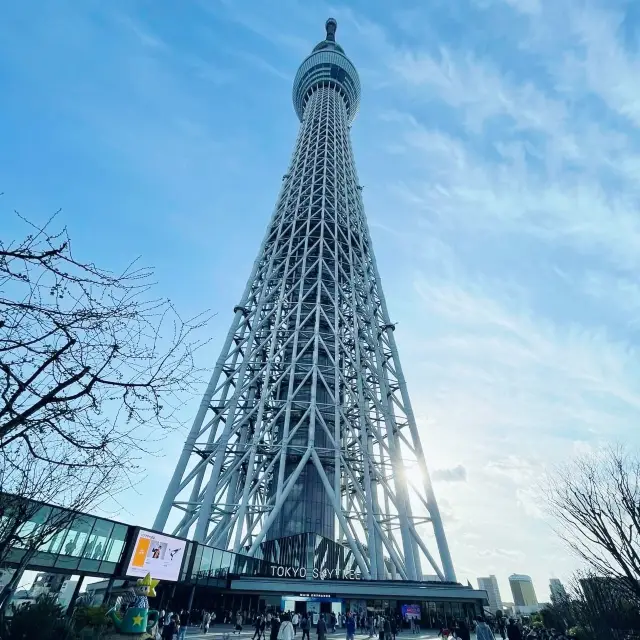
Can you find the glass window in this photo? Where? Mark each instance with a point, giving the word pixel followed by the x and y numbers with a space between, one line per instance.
pixel 205 563
pixel 25 531
pixel 77 536
pixel 216 562
pixel 113 549
pixel 196 563
pixel 116 543
pixel 226 564
pixel 53 544
pixel 185 564
pixel 97 543
pixel 29 528
pixel 89 565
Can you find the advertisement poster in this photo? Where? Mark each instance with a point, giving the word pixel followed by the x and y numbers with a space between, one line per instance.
pixel 157 554
pixel 411 611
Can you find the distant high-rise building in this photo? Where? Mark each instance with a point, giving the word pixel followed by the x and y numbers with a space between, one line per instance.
pixel 490 585
pixel 524 595
pixel 557 589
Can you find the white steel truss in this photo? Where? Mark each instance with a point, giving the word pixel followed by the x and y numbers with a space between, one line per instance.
pixel 306 424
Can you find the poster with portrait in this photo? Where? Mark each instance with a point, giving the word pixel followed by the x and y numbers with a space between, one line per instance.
pixel 157 554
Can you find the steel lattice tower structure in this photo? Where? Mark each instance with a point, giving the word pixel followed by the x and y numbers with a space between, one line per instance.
pixel 306 424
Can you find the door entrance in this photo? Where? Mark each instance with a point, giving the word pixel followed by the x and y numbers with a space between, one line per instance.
pixel 312 607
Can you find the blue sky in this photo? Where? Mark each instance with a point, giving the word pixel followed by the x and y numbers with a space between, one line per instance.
pixel 499 149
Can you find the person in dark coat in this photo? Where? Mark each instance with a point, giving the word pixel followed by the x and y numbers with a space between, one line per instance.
pixel 275 627
pixel 305 626
pixel 513 630
pixel 170 630
pixel 463 631
pixel 321 628
pixel 350 624
pixel 386 627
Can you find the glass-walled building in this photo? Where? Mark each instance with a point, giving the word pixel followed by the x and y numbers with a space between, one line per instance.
pixel 306 572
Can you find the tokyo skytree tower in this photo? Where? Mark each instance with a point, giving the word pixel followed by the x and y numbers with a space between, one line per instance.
pixel 306 424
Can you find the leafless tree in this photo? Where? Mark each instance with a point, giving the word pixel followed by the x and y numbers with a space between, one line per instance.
pixel 596 501
pixel 90 367
pixel 27 522
pixel 86 358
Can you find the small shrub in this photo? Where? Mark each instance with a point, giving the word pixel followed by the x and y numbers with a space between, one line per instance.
pixel 42 620
pixel 94 617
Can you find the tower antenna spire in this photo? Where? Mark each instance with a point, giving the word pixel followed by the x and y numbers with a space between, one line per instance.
pixel 331 25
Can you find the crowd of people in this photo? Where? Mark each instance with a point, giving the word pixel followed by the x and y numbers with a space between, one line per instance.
pixel 515 629
pixel 287 626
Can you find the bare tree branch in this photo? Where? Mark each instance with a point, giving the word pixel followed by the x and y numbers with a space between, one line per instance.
pixel 77 343
pixel 596 502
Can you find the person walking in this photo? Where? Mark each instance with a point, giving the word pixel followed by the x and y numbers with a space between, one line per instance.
pixel 394 627
pixel 286 631
pixel 295 621
pixel 259 628
pixel 275 627
pixel 513 630
pixel 168 616
pixel 483 632
pixel 206 619
pixel 172 629
pixel 184 623
pixel 322 628
pixel 386 625
pixel 305 625
pixel 463 630
pixel 239 622
pixel 350 626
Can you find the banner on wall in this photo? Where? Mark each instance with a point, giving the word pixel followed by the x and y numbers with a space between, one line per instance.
pixel 411 611
pixel 157 554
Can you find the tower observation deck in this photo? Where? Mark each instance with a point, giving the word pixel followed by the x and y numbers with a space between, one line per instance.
pixel 306 425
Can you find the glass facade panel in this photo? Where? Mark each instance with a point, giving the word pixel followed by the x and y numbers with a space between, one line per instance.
pixel 184 572
pixel 89 565
pixel 116 543
pixel 216 563
pixel 197 563
pixel 205 563
pixel 78 536
pixel 39 517
pixel 97 542
pixel 114 548
pixel 226 565
pixel 54 543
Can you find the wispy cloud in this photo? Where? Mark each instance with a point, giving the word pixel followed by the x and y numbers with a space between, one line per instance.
pixel 455 474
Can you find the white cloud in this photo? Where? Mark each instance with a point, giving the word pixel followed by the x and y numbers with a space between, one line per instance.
pixel 508 196
pixel 455 474
pixel 463 81
pixel 603 65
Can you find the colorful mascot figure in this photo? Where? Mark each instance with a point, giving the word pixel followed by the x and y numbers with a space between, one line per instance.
pixel 138 618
